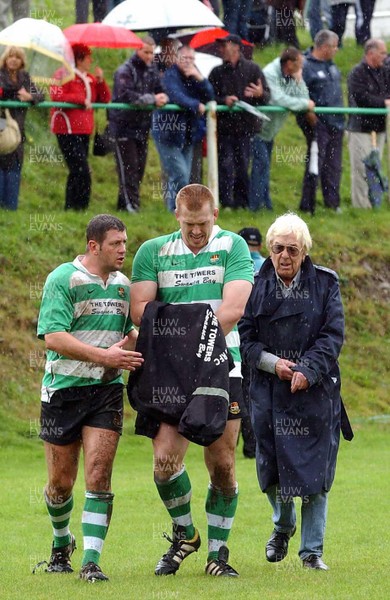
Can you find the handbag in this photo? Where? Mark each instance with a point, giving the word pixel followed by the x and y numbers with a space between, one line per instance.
pixel 10 136
pixel 103 143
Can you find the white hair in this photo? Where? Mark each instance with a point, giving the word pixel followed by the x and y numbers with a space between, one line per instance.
pixel 286 224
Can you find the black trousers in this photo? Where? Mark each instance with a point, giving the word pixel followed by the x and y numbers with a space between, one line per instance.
pixel 78 186
pixel 283 26
pixel 330 142
pixel 82 10
pixel 130 155
pixel 233 165
pixel 339 19
pixel 248 436
pixel 363 32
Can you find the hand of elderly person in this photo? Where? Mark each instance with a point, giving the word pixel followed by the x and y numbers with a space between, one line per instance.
pixel 283 369
pixel 298 382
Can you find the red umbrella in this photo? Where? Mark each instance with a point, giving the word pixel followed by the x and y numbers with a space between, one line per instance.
pixel 98 35
pixel 205 41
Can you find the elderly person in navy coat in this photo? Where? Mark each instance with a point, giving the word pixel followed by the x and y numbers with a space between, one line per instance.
pixel 291 336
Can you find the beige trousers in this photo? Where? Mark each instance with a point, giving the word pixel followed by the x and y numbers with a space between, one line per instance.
pixel 360 145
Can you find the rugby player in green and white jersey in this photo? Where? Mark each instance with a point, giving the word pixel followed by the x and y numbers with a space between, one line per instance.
pixel 198 263
pixel 84 320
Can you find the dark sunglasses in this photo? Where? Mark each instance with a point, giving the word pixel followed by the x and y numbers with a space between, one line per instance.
pixel 293 251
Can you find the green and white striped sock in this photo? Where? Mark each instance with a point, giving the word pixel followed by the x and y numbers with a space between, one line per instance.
pixel 95 522
pixel 220 510
pixel 176 495
pixel 60 517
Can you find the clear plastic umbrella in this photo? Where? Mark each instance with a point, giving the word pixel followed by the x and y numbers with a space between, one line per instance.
pixel 142 15
pixel 49 54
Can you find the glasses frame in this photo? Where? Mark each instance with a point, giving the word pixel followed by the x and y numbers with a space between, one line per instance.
pixel 293 251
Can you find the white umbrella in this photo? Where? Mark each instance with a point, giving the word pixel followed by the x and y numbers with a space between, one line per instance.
pixel 142 15
pixel 206 62
pixel 49 54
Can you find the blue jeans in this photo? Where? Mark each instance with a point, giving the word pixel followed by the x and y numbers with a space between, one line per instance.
pixel 313 519
pixel 314 12
pixel 9 188
pixel 176 164
pixel 236 16
pixel 259 196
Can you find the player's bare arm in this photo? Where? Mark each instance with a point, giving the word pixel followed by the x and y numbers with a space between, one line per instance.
pixel 141 293
pixel 131 340
pixel 114 357
pixel 234 298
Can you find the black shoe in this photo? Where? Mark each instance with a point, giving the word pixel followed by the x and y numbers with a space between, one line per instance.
pixel 277 546
pixel 179 550
pixel 314 562
pixel 60 559
pixel 92 572
pixel 218 567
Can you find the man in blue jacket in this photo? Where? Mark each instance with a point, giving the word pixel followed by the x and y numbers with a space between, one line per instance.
pixel 323 80
pixel 137 82
pixel 175 133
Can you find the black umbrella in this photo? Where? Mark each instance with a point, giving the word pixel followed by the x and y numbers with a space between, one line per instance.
pixel 376 181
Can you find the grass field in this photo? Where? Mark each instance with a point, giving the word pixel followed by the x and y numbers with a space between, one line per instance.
pixel 38 237
pixel 356 543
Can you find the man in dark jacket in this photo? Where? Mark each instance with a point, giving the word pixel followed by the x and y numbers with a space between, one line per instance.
pixel 175 133
pixel 291 336
pixel 236 79
pixel 368 86
pixel 137 82
pixel 323 80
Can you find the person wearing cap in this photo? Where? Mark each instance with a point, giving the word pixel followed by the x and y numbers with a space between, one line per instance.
pixel 73 126
pixel 253 238
pixel 236 79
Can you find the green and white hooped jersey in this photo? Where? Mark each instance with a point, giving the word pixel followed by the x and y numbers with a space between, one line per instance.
pixel 184 277
pixel 94 312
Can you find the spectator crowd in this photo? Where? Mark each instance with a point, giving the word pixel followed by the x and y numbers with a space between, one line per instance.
pixel 297 81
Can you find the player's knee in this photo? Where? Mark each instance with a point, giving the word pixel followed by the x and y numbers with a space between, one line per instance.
pixel 59 491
